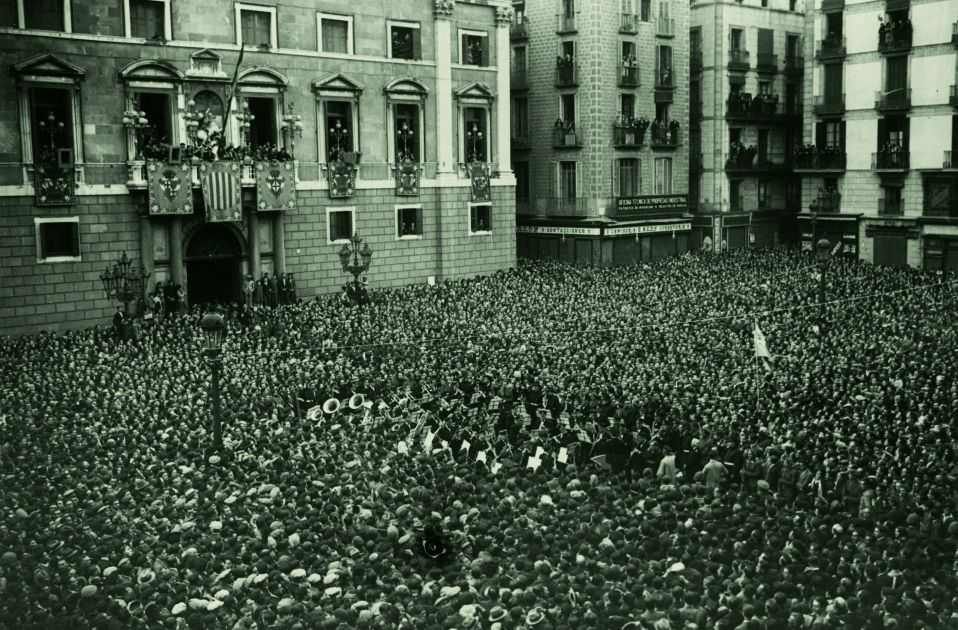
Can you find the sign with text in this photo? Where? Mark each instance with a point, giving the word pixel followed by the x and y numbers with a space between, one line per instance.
pixel 652 202
pixel 555 229
pixel 648 229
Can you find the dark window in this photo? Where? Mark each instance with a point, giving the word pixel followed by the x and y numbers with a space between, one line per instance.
pixel 734 135
pixel 762 145
pixel 480 218
pixel 520 118
pixel 52 122
pixel 766 41
pixel 59 240
pixel 735 195
pixel 8 15
pixel 158 110
pixel 567 180
pixel 409 221
pixel 521 170
pixel 941 196
pixel 340 225
pixel 147 19
pixel 405 42
pixel 475 134
pixel 628 51
pixel 629 177
pixel 763 194
pixel 568 8
pixel 896 80
pixel 646 10
pixel 833 25
pixel 568 108
pixel 406 123
pixel 568 50
pixel 339 129
pixel 262 131
pixel 791 47
pixel 662 112
pixel 663 63
pixel 695 40
pixel 892 200
pixel 256 27
pixel 791 5
pixel 764 3
pixel 475 50
pixel 46 15
pixel 627 105
pixel 735 39
pixel 519 58
pixel 830 184
pixel 335 35
pixel 833 82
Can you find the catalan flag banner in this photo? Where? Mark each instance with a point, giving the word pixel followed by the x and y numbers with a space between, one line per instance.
pixel 170 188
pixel 275 186
pixel 222 192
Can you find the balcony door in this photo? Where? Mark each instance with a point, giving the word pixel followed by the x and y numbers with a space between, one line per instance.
pixel 833 83
pixel 896 78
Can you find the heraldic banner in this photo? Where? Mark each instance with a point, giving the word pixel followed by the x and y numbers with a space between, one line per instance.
pixel 222 191
pixel 275 186
pixel 170 187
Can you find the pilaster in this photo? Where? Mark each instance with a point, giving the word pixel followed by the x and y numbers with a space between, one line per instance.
pixel 503 106
pixel 443 10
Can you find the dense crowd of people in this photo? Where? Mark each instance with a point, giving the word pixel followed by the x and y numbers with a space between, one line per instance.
pixel 550 446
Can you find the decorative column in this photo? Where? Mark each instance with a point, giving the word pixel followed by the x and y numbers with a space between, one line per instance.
pixel 503 113
pixel 279 245
pixel 253 240
pixel 443 10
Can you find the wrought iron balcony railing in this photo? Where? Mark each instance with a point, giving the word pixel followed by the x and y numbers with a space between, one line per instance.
pixel 665 135
pixel 748 162
pixel 890 207
pixel 828 159
pixel 629 23
pixel 665 27
pixel 766 63
pixel 567 74
pixel 565 23
pixel 829 105
pixel 629 74
pixel 894 38
pixel 628 136
pixel 762 108
pixel 890 160
pixel 566 137
pixel 895 100
pixel 832 47
pixel 519 29
pixel 738 60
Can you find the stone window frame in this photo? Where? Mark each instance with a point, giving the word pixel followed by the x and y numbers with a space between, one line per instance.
pixel 338 88
pixel 350 32
pixel 171 85
pixel 261 82
pixel 480 204
pixel 239 7
pixel 67 16
pixel 41 259
pixel 389 38
pixel 397 211
pixel 167 20
pixel 405 91
pixel 330 210
pixel 461 34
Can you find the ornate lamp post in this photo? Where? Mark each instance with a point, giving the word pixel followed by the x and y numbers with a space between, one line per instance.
pixel 356 261
pixel 292 127
pixel 406 134
pixel 339 134
pixel 474 136
pixel 193 119
pixel 214 333
pixel 245 119
pixel 124 282
pixel 136 120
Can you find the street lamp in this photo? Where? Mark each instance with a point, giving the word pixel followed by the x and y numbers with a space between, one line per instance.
pixel 356 262
pixel 339 134
pixel 214 333
pixel 405 134
pixel 474 136
pixel 245 119
pixel 292 128
pixel 124 282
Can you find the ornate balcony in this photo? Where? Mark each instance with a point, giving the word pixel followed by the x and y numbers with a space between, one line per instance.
pixel 826 202
pixel 893 101
pixel 894 39
pixel 830 105
pixel 629 74
pixel 890 160
pixel 832 47
pixel 629 134
pixel 565 136
pixel 665 27
pixel 565 24
pixel 794 65
pixel 628 23
pixel 567 73
pixel 738 60
pixel 812 159
pixel 746 161
pixel 519 29
pixel 665 135
pixel 762 108
pixel 766 63
pixel 890 207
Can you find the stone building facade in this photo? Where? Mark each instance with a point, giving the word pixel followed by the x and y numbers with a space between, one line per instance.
pixel 881 94
pixel 747 71
pixel 599 129
pixel 421 82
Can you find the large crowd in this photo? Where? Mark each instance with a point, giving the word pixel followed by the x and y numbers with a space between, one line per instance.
pixel 550 446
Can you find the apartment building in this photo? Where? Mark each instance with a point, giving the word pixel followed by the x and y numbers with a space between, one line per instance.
pixel 747 80
pixel 396 118
pixel 599 129
pixel 877 166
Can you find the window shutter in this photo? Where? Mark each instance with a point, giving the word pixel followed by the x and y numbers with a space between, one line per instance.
pixel 882 132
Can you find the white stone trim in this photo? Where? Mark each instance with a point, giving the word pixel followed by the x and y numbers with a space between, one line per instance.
pixel 389 35
pixel 330 210
pixel 478 204
pixel 239 7
pixel 465 31
pixel 167 20
pixel 320 16
pixel 407 206
pixel 38 221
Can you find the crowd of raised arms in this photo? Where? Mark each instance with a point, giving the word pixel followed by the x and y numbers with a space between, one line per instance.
pixel 548 447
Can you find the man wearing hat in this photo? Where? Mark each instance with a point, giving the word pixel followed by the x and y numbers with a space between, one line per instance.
pixel 714 471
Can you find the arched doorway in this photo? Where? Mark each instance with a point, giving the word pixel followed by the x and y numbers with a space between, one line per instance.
pixel 214 258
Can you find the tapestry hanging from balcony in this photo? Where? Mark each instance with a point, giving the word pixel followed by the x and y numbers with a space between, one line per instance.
pixel 407 179
pixel 222 191
pixel 170 188
pixel 342 175
pixel 479 174
pixel 54 184
pixel 275 186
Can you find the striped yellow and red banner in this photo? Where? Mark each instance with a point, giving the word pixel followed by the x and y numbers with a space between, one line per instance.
pixel 222 191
